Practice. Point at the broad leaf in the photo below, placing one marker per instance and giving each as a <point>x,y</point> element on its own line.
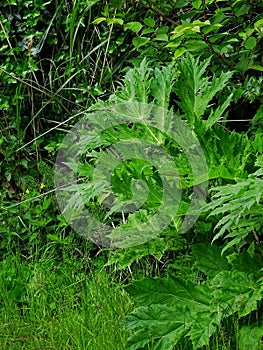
<point>244,262</point>
<point>237,291</point>
<point>209,259</point>
<point>174,308</point>
<point>163,325</point>
<point>169,290</point>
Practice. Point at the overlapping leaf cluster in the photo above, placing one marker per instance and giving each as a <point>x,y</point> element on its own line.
<point>194,91</point>
<point>172,308</point>
<point>239,207</point>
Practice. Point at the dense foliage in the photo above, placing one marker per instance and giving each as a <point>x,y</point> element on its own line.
<point>196,288</point>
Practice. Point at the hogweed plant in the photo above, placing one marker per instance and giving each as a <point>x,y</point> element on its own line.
<point>144,156</point>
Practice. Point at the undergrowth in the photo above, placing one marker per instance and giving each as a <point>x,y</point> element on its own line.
<point>198,60</point>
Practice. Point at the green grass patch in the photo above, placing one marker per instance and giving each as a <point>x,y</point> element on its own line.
<point>49,305</point>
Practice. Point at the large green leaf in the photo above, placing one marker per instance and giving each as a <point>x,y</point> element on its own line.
<point>237,291</point>
<point>169,290</point>
<point>204,324</point>
<point>209,259</point>
<point>163,325</point>
<point>246,262</point>
<point>174,308</point>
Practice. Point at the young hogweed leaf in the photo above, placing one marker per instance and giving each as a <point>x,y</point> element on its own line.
<point>196,91</point>
<point>216,115</point>
<point>222,150</point>
<point>135,86</point>
<point>162,85</point>
<point>205,97</point>
<point>240,206</point>
<point>143,84</point>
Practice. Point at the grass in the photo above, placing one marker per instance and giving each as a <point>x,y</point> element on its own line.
<point>51,305</point>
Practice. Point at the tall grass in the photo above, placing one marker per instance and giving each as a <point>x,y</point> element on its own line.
<point>60,305</point>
